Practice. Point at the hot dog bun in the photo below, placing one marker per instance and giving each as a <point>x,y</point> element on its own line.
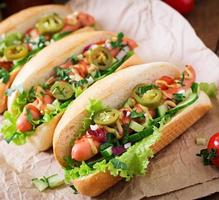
<point>113,91</point>
<point>21,22</point>
<point>38,69</point>
<point>26,18</point>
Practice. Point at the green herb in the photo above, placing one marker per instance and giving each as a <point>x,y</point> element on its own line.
<point>74,59</point>
<point>4,75</point>
<point>62,73</point>
<point>118,164</point>
<point>118,42</point>
<point>182,78</point>
<point>178,97</point>
<point>135,114</point>
<point>207,155</point>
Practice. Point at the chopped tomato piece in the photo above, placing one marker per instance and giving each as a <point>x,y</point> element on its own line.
<point>32,32</point>
<point>114,52</point>
<point>66,64</point>
<point>152,113</point>
<point>85,19</point>
<point>131,43</point>
<point>6,65</point>
<point>82,68</point>
<point>71,28</point>
<point>165,82</point>
<point>125,116</point>
<point>101,42</point>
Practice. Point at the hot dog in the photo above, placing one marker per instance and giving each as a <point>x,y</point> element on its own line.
<point>130,115</point>
<point>26,33</point>
<point>53,79</point>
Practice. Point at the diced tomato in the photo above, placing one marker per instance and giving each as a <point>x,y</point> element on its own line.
<point>131,43</point>
<point>170,91</point>
<point>82,68</point>
<point>100,42</point>
<point>125,116</point>
<point>67,64</point>
<point>189,76</point>
<point>6,65</point>
<point>86,19</point>
<point>71,28</point>
<point>152,113</point>
<point>32,32</point>
<point>114,52</point>
<point>138,108</point>
<point>82,149</point>
<point>167,81</point>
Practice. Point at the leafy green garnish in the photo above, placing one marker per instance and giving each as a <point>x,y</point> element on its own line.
<point>59,36</point>
<point>207,155</point>
<point>4,75</point>
<point>62,73</point>
<point>118,42</point>
<point>74,59</point>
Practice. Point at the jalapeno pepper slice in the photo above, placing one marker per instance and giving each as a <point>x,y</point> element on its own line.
<point>50,24</point>
<point>106,117</point>
<point>15,52</point>
<point>147,95</point>
<point>62,90</point>
<point>101,57</point>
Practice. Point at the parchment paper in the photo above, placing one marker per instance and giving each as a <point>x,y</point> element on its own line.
<point>175,173</point>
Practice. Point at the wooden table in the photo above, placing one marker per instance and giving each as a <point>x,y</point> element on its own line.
<point>205,20</point>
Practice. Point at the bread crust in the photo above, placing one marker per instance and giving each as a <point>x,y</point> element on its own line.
<point>24,19</point>
<point>43,65</point>
<point>126,79</point>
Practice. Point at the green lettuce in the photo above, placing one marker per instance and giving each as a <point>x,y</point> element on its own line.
<point>209,88</point>
<point>131,163</point>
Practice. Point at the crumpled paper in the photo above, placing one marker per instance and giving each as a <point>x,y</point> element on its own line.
<point>174,173</point>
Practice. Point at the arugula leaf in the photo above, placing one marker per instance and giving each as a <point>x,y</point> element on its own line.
<point>71,163</point>
<point>4,75</point>
<point>119,164</point>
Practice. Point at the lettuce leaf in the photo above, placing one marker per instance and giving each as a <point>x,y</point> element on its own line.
<point>131,163</point>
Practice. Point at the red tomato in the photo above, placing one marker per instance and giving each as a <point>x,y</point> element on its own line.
<point>71,28</point>
<point>114,52</point>
<point>189,76</point>
<point>214,144</point>
<point>67,64</point>
<point>85,19</point>
<point>131,43</point>
<point>82,149</point>
<point>124,116</point>
<point>169,80</point>
<point>82,68</point>
<point>23,124</point>
<point>32,32</point>
<point>6,65</point>
<point>183,6</point>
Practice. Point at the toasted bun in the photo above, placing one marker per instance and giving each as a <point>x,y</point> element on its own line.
<point>26,18</point>
<point>117,88</point>
<point>39,68</point>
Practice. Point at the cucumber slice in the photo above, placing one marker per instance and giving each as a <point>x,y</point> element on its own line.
<point>136,126</point>
<point>190,100</point>
<point>55,181</point>
<point>162,109</point>
<point>139,136</point>
<point>106,153</point>
<point>41,184</point>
